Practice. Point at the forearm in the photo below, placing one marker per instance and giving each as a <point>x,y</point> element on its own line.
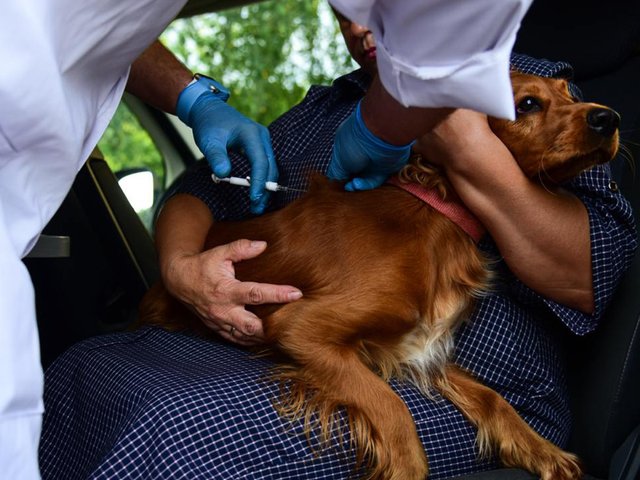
<point>386,118</point>
<point>543,235</point>
<point>181,229</point>
<point>157,77</point>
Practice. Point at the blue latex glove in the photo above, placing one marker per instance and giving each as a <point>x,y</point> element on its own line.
<point>218,127</point>
<point>358,153</point>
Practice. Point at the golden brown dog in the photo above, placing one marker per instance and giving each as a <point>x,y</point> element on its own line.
<point>371,310</point>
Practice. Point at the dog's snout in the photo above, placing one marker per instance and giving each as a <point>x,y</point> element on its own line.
<point>603,121</point>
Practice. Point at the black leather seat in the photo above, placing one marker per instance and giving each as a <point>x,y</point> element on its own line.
<point>605,373</point>
<point>96,288</point>
<point>602,42</point>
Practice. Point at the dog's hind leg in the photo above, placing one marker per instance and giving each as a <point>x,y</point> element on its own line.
<point>381,426</point>
<point>502,430</point>
<point>330,371</point>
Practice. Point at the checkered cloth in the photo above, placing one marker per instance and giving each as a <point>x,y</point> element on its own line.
<point>152,404</point>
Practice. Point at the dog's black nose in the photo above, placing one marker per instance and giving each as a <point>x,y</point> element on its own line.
<point>603,121</point>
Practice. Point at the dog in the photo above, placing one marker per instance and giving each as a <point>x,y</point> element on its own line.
<point>372,310</point>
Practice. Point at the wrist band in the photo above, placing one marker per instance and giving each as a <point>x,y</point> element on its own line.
<point>200,85</point>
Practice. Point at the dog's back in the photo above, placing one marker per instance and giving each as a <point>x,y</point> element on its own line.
<point>359,251</point>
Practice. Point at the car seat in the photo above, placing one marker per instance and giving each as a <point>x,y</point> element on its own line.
<point>94,284</point>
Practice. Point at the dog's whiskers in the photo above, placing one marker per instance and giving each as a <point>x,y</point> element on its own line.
<point>542,170</point>
<point>630,130</point>
<point>625,153</point>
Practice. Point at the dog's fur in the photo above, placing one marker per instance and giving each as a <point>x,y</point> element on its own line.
<point>386,280</point>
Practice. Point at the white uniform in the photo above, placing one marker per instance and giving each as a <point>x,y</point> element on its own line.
<point>443,53</point>
<point>64,66</point>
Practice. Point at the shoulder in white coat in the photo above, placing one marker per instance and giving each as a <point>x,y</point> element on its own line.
<point>443,53</point>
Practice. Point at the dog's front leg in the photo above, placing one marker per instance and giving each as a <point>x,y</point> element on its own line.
<point>500,428</point>
<point>329,368</point>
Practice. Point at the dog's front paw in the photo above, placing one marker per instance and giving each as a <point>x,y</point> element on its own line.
<point>404,464</point>
<point>543,458</point>
<point>562,466</point>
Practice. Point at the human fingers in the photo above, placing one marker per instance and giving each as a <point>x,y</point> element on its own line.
<point>336,171</point>
<point>239,326</point>
<point>253,293</point>
<point>216,154</point>
<point>263,168</point>
<point>233,331</point>
<point>242,326</point>
<point>368,182</point>
<point>242,249</point>
<point>223,315</point>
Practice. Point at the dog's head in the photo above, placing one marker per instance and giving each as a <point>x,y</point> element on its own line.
<point>555,137</point>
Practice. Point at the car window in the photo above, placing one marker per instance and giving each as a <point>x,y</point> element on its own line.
<point>136,161</point>
<point>268,54</point>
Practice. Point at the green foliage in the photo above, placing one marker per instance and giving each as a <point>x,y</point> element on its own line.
<point>267,54</point>
<point>125,144</point>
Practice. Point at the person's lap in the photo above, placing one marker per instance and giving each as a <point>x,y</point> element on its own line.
<point>153,404</point>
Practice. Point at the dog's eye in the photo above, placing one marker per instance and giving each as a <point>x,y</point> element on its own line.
<point>528,105</point>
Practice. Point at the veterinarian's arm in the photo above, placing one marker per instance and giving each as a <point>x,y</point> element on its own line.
<point>542,234</point>
<point>158,78</point>
<point>367,152</point>
<point>206,280</point>
<point>464,63</point>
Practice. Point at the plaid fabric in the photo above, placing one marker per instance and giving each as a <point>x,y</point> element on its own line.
<point>152,404</point>
<point>545,68</point>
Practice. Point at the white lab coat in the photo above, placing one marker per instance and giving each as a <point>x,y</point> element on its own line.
<point>443,53</point>
<point>63,68</point>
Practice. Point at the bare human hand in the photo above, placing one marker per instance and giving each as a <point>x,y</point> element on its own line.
<point>206,282</point>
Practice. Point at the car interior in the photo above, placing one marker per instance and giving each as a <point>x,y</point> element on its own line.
<point>95,259</point>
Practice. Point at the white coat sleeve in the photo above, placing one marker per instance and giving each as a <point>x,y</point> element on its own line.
<point>443,53</point>
<point>65,64</point>
<point>20,371</point>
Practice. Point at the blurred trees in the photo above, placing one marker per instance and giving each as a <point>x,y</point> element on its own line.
<point>125,144</point>
<point>267,54</point>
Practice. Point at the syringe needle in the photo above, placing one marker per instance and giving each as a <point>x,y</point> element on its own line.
<point>246,182</point>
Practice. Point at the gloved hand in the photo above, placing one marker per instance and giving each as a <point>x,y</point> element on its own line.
<point>360,154</point>
<point>218,127</point>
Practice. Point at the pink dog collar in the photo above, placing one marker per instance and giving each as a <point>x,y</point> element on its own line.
<point>454,210</point>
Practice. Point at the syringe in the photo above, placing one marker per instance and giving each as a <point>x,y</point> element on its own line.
<point>245,182</point>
